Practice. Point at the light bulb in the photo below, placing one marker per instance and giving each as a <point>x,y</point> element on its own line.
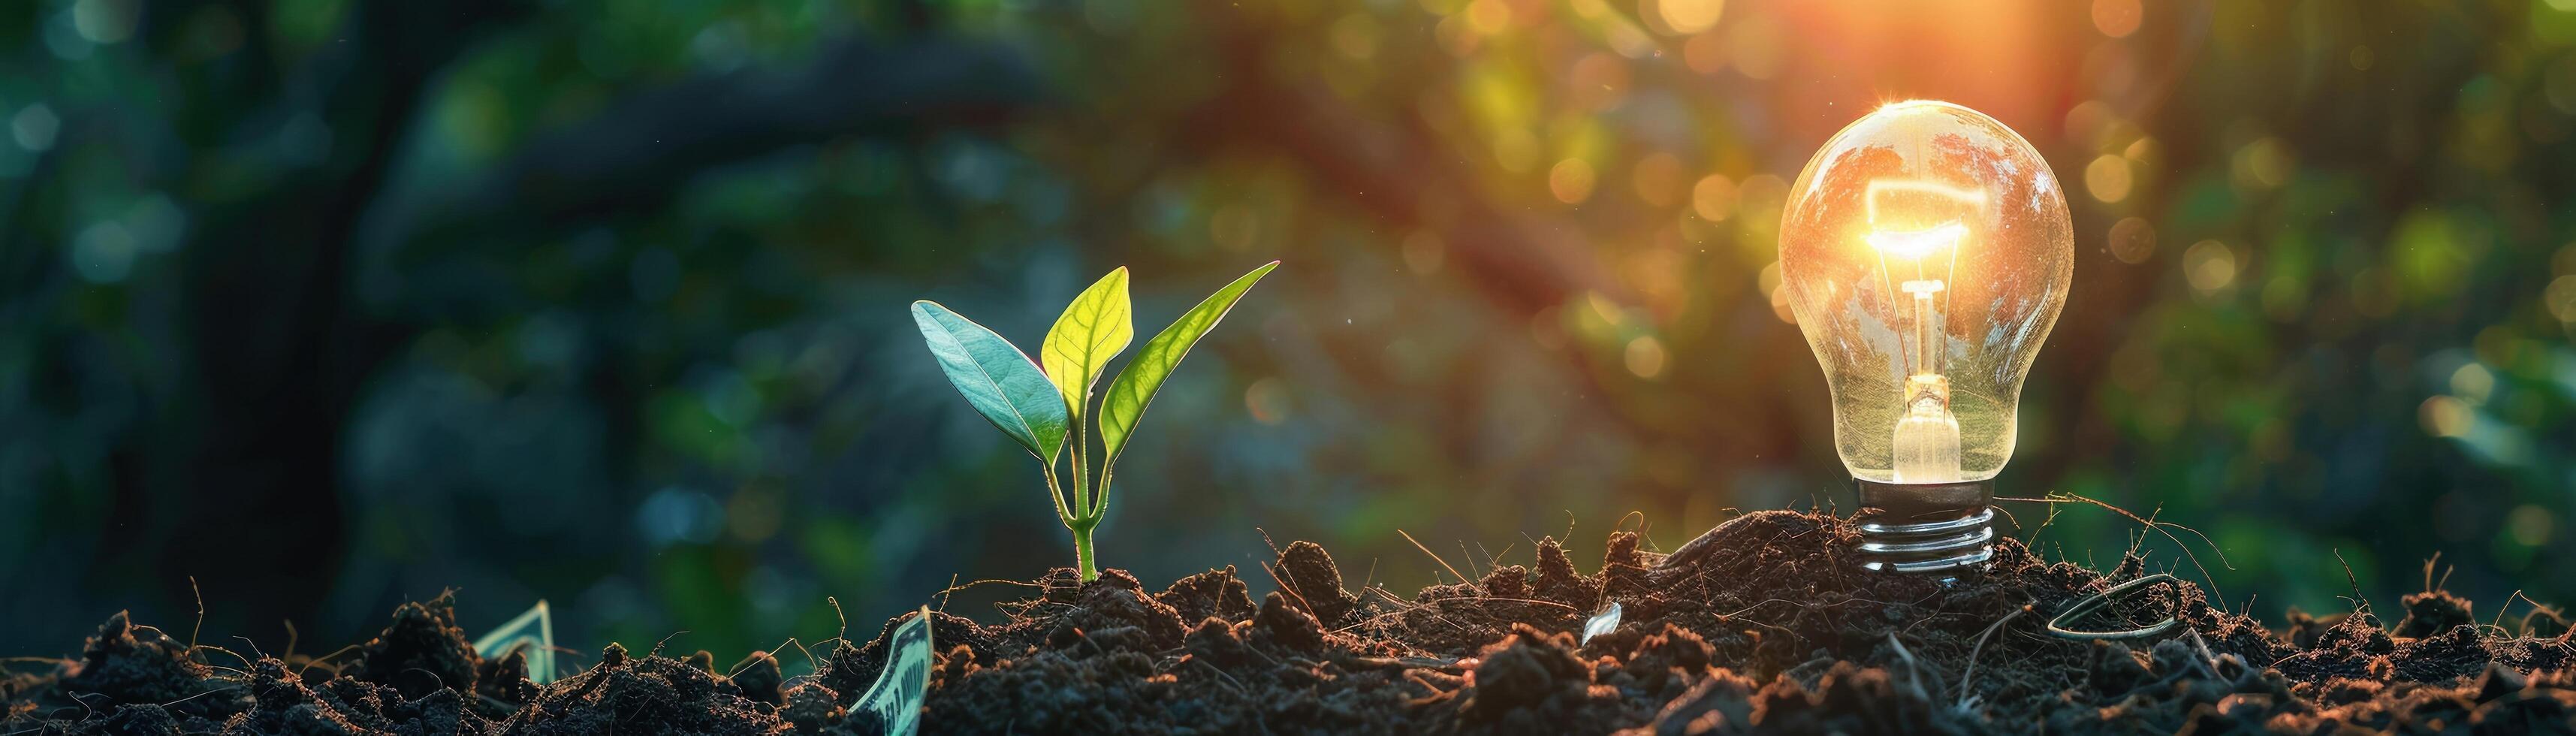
<point>1926,253</point>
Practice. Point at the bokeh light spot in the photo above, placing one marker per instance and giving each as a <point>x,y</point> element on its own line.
<point>1646,357</point>
<point>1489,17</point>
<point>1599,81</point>
<point>2108,178</point>
<point>2141,151</point>
<point>1456,35</point>
<point>677,515</point>
<point>1769,281</point>
<point>105,21</point>
<point>2133,240</point>
<point>34,127</point>
<point>1424,252</point>
<point>1690,16</point>
<point>1713,198</point>
<point>1658,179</point>
<point>2473,383</point>
<point>2558,83</point>
<point>1267,400</point>
<point>2209,265</point>
<point>1547,328</point>
<point>1570,180</point>
<point>1754,46</point>
<point>1705,53</point>
<point>2263,163</point>
<point>2362,58</point>
<point>2086,120</point>
<point>1356,35</point>
<point>2530,525</point>
<point>2444,416</point>
<point>2561,298</point>
<point>103,253</point>
<point>2117,18</point>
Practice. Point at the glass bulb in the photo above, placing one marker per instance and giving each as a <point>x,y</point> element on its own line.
<point>1926,253</point>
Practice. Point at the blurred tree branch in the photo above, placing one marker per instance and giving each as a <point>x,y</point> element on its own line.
<point>1399,170</point>
<point>633,154</point>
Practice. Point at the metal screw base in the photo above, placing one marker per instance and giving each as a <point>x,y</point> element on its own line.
<point>1915,528</point>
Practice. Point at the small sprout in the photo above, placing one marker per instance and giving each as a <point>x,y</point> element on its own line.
<point>535,631</point>
<point>1041,408</point>
<point>905,680</point>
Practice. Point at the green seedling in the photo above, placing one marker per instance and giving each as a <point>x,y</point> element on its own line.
<point>1041,408</point>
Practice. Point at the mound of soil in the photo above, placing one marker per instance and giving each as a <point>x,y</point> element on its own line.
<point>1765,623</point>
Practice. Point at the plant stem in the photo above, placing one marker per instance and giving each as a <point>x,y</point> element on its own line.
<point>1055,492</point>
<point>1083,520</point>
<point>1100,497</point>
<point>1082,550</point>
<point>1081,475</point>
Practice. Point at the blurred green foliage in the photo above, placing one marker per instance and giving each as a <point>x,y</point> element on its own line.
<point>331,304</point>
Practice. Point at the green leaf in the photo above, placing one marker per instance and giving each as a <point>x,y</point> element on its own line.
<point>1135,385</point>
<point>996,377</point>
<point>1093,329</point>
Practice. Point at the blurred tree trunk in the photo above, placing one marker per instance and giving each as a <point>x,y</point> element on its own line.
<point>276,352</point>
<point>239,484</point>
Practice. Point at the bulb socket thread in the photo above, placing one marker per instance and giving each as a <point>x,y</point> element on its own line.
<point>1912,528</point>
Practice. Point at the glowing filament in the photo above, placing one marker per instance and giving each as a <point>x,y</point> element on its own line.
<point>1927,434</point>
<point>1915,244</point>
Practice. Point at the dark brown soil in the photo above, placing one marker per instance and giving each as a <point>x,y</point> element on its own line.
<point>1763,624</point>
